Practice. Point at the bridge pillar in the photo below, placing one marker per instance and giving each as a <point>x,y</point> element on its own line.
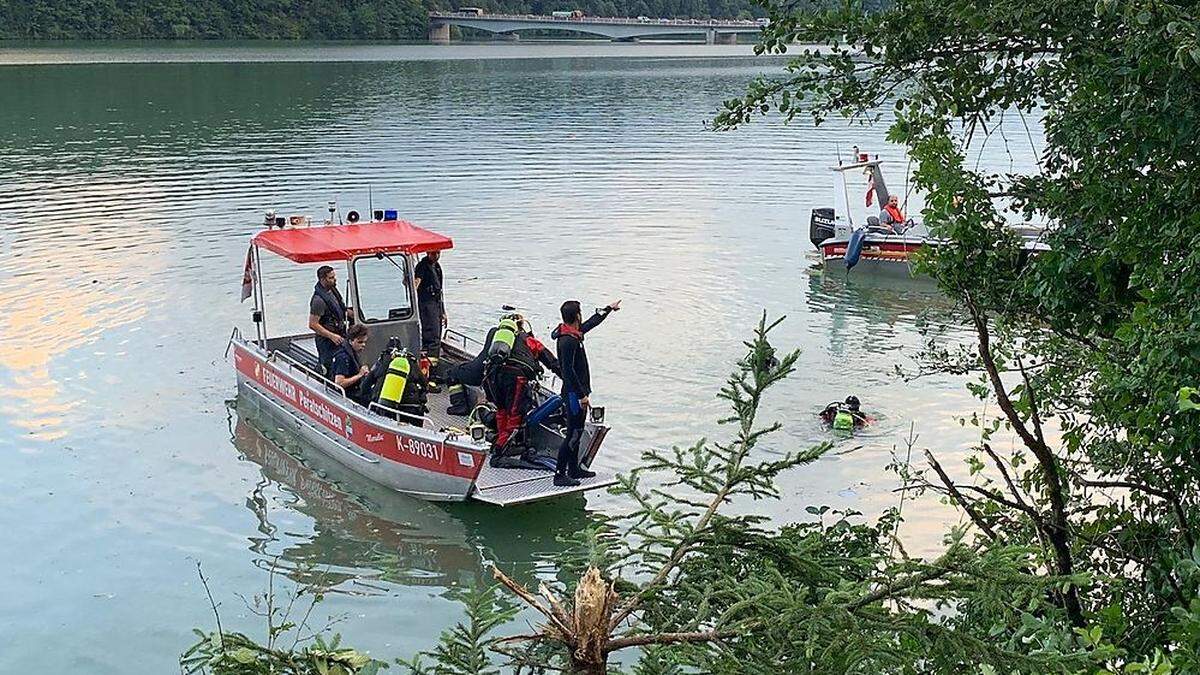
<point>439,33</point>
<point>725,38</point>
<point>710,37</point>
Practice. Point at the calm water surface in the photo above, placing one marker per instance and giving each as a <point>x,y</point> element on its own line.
<point>131,180</point>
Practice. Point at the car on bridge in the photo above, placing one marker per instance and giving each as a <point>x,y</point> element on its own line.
<point>474,11</point>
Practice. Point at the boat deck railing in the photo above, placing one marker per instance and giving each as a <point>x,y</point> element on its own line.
<point>306,371</point>
<point>466,340</point>
<point>376,404</point>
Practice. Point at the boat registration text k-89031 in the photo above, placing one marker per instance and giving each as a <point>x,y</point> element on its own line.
<point>420,448</point>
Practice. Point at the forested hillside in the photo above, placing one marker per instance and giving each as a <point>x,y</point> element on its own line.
<point>211,19</point>
<point>299,19</point>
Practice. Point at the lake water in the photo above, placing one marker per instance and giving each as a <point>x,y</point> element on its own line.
<point>131,179</point>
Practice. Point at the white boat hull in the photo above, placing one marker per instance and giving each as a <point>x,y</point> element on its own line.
<point>425,463</point>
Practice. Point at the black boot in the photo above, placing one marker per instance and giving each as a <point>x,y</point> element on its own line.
<point>573,468</point>
<point>563,480</point>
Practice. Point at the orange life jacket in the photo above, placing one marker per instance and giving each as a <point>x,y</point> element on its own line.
<point>895,213</point>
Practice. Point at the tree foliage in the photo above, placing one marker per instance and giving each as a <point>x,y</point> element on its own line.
<point>212,19</point>
<point>292,645</point>
<point>697,585</point>
<point>700,587</point>
<point>298,19</point>
<point>1090,349</point>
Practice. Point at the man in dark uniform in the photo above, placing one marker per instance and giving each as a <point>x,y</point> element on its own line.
<point>348,372</point>
<point>327,317</point>
<point>430,304</point>
<point>576,385</point>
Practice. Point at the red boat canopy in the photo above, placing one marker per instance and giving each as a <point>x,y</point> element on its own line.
<point>342,242</point>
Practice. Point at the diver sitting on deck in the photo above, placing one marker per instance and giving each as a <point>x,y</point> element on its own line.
<point>403,388</point>
<point>348,371</point>
<point>513,367</point>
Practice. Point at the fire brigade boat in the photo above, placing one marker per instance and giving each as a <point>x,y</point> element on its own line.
<point>443,459</point>
<point>846,238</point>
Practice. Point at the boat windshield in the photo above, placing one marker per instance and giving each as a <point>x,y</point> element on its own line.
<point>383,289</point>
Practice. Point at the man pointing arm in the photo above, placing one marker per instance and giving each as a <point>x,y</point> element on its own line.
<point>576,385</point>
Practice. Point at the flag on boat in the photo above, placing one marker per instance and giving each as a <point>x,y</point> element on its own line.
<point>870,186</point>
<point>248,275</point>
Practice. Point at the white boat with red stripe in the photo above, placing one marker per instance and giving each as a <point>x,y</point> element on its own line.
<point>433,456</point>
<point>852,236</point>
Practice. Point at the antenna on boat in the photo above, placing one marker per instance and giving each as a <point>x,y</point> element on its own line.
<point>370,202</point>
<point>907,168</point>
<point>838,149</point>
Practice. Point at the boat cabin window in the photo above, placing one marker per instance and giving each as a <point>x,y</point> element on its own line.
<point>383,288</point>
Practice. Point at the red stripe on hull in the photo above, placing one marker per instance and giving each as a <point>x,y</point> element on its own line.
<point>411,450</point>
<point>883,252</point>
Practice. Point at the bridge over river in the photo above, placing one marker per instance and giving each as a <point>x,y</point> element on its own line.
<point>714,31</point>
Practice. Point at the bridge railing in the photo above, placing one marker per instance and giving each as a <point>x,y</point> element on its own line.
<point>700,23</point>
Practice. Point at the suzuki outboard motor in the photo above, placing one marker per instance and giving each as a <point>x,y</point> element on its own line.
<point>820,226</point>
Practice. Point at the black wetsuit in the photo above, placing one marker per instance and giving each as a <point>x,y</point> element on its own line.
<point>471,372</point>
<point>576,385</point>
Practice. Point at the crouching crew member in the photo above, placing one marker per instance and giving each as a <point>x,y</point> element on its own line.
<point>348,371</point>
<point>461,377</point>
<point>514,363</point>
<point>576,385</point>
<point>327,317</point>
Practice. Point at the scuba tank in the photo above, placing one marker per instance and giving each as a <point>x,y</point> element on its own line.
<point>502,342</point>
<point>844,415</point>
<point>396,381</point>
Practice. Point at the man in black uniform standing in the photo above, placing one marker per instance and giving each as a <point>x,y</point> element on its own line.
<point>327,317</point>
<point>576,385</point>
<point>430,304</point>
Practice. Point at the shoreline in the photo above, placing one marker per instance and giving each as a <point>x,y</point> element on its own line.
<point>84,52</point>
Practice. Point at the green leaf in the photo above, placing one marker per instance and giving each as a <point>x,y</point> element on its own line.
<point>244,655</point>
<point>1185,399</point>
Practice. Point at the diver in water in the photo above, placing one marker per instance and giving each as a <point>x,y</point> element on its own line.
<point>845,415</point>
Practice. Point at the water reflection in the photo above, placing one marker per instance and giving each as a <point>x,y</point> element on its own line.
<point>63,295</point>
<point>366,537</point>
<point>874,313</point>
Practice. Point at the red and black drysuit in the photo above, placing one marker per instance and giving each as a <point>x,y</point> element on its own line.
<point>508,385</point>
